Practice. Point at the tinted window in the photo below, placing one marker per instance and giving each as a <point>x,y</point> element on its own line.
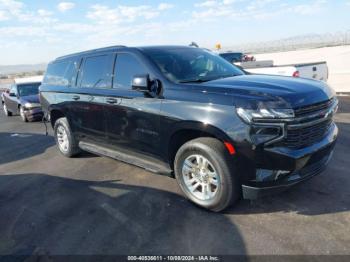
<point>191,64</point>
<point>61,73</point>
<point>126,67</point>
<point>97,72</point>
<point>28,89</point>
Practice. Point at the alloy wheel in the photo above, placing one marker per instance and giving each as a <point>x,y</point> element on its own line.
<point>62,139</point>
<point>200,177</point>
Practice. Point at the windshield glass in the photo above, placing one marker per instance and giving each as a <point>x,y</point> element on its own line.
<point>28,89</point>
<point>185,65</point>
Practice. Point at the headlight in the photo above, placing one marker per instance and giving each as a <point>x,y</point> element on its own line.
<point>31,105</point>
<point>248,115</point>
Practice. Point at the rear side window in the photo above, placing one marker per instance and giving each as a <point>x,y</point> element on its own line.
<point>61,73</point>
<point>96,72</point>
<point>126,67</point>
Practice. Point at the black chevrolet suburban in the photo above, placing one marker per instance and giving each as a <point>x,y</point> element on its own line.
<point>188,113</point>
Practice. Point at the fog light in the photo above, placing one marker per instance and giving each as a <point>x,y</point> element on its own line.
<point>263,134</point>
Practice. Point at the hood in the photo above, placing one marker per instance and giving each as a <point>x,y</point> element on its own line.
<point>283,92</point>
<point>30,99</point>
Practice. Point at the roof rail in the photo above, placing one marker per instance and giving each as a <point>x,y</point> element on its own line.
<point>92,50</point>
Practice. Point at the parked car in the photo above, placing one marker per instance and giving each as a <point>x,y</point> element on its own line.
<point>23,98</point>
<point>187,112</point>
<point>232,57</point>
<point>314,70</point>
<point>236,57</point>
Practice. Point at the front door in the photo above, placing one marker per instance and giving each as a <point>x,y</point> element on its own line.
<point>133,120</point>
<point>11,100</point>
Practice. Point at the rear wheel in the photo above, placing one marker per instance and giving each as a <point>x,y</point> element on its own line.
<point>65,140</point>
<point>22,114</point>
<point>7,113</point>
<point>206,173</point>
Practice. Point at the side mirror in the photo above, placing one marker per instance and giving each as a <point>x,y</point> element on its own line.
<point>141,83</point>
<point>12,94</point>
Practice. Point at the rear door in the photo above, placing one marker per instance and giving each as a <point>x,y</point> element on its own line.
<point>133,120</point>
<point>87,109</point>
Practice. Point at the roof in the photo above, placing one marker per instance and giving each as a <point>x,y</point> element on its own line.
<point>118,47</point>
<point>31,79</point>
<point>165,47</point>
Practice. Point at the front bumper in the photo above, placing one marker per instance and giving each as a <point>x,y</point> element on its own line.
<point>34,114</point>
<point>302,163</point>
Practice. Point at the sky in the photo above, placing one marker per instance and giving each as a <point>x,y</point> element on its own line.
<point>38,31</point>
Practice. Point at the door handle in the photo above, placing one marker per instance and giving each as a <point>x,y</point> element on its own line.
<point>76,97</point>
<point>111,100</point>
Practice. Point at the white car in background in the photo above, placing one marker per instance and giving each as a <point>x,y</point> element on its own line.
<point>315,70</point>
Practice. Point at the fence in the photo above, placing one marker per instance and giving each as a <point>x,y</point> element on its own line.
<point>294,43</point>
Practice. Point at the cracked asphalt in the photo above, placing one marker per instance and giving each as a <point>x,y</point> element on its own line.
<point>51,205</point>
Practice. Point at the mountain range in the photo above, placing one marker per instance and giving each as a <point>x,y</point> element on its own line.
<point>11,69</point>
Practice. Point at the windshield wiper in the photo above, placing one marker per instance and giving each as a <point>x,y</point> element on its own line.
<point>202,80</point>
<point>196,80</point>
<point>226,76</point>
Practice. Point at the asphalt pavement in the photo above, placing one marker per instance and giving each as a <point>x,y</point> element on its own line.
<point>52,205</point>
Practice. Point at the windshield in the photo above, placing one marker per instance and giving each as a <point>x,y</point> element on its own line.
<point>28,89</point>
<point>185,65</point>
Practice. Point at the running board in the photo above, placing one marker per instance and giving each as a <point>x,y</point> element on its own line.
<point>149,163</point>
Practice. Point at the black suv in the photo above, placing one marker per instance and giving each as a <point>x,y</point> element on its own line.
<point>187,112</point>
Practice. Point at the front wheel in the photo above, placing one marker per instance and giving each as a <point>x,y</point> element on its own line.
<point>65,140</point>
<point>7,113</point>
<point>206,174</point>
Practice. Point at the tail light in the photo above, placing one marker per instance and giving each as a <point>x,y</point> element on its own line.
<point>296,74</point>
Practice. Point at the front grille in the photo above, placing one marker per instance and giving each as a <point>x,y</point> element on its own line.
<point>304,136</point>
<point>314,108</point>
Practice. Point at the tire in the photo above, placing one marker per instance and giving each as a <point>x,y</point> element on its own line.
<point>7,113</point>
<point>228,189</point>
<point>22,114</point>
<point>66,143</point>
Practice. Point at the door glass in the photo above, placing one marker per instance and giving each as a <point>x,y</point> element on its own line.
<point>97,72</point>
<point>126,67</point>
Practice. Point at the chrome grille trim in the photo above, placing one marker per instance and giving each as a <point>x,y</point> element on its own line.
<point>308,129</point>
